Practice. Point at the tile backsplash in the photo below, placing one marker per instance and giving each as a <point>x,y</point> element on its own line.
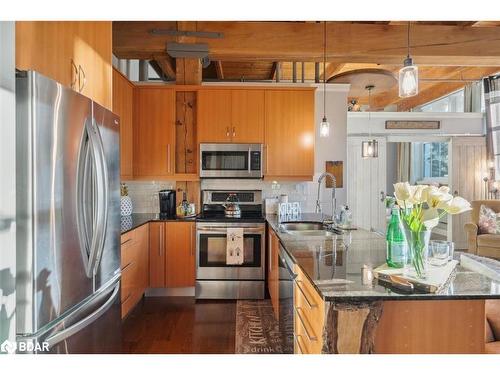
<point>144,194</point>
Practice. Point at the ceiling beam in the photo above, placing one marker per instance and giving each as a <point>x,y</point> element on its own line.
<point>166,64</point>
<point>219,70</point>
<point>294,41</point>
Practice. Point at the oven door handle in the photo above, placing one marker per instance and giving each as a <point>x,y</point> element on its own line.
<point>224,230</point>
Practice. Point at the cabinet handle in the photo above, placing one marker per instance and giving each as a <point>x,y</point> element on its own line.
<point>160,250</point>
<point>126,298</point>
<point>270,252</point>
<point>127,266</point>
<point>311,304</point>
<point>169,167</point>
<point>192,235</point>
<point>123,243</point>
<point>303,324</point>
<point>298,338</point>
<point>81,84</point>
<point>234,132</point>
<point>75,76</point>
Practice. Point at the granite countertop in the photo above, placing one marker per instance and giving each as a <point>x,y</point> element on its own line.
<point>334,265</point>
<point>133,221</point>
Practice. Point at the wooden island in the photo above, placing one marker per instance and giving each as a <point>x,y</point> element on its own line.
<point>339,308</point>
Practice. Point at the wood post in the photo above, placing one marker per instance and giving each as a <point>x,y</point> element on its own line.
<point>350,327</point>
<point>185,132</point>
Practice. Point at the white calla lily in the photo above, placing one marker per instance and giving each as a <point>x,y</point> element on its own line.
<point>430,218</point>
<point>457,205</point>
<point>402,191</point>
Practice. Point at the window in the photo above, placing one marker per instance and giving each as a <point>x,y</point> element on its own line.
<point>453,102</point>
<point>435,159</point>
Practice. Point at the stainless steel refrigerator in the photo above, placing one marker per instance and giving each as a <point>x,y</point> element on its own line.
<point>68,219</point>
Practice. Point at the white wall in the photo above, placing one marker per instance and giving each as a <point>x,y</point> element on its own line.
<point>7,184</point>
<point>333,148</point>
<point>144,194</point>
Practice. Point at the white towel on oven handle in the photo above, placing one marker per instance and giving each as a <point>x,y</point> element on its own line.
<point>234,246</point>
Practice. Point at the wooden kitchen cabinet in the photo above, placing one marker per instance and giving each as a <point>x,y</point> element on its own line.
<point>309,312</point>
<point>247,116</point>
<point>154,132</point>
<point>157,254</point>
<point>123,100</point>
<point>180,264</point>
<point>273,270</point>
<point>289,134</point>
<point>214,116</point>
<point>76,54</point>
<point>231,115</point>
<point>134,266</point>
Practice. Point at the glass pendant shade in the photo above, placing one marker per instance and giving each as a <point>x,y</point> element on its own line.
<point>369,149</point>
<point>324,128</point>
<point>408,79</point>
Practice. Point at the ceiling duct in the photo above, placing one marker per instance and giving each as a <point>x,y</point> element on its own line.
<point>187,50</point>
<point>492,105</point>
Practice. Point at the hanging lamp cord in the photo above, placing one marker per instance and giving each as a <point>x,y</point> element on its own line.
<point>324,70</point>
<point>408,40</point>
<point>369,112</point>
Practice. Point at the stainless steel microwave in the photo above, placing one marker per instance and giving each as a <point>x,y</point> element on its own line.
<point>230,160</point>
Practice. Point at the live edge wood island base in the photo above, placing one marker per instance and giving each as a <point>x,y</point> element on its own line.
<point>404,327</point>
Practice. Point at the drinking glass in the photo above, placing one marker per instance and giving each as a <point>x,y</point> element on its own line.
<point>439,252</point>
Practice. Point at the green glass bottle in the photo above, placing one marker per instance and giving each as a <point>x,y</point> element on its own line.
<point>396,242</point>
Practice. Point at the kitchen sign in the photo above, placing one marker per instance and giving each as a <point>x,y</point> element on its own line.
<point>413,124</point>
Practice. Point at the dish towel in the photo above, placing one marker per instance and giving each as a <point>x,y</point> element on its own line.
<point>234,246</point>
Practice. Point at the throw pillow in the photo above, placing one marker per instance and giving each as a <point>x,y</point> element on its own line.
<point>487,221</point>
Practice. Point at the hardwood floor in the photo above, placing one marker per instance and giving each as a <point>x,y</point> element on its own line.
<point>180,325</point>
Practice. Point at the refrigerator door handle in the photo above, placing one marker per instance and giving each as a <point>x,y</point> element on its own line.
<point>101,221</point>
<point>71,330</point>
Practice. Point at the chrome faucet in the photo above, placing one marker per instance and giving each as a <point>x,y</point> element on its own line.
<point>334,200</point>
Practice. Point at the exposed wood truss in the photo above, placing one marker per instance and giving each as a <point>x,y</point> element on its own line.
<point>448,53</point>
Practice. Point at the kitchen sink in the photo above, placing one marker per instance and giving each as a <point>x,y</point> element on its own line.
<point>306,229</point>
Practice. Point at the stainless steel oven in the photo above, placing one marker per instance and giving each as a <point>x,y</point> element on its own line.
<point>215,278</point>
<point>230,160</point>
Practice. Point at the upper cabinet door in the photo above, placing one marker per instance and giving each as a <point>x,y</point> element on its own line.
<point>76,54</point>
<point>247,119</point>
<point>214,116</point>
<point>154,132</point>
<point>46,47</point>
<point>123,100</point>
<point>92,56</point>
<point>289,134</point>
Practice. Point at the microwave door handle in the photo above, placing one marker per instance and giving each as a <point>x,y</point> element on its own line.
<point>249,159</point>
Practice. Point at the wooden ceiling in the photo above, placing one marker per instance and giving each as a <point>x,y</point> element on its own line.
<point>449,53</point>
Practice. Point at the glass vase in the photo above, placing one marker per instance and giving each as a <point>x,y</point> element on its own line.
<point>418,251</point>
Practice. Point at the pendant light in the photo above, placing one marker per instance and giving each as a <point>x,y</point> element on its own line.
<point>369,149</point>
<point>324,126</point>
<point>408,75</point>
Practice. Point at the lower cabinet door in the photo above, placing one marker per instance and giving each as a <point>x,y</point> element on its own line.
<point>180,265</point>
<point>157,255</point>
<point>131,290</point>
